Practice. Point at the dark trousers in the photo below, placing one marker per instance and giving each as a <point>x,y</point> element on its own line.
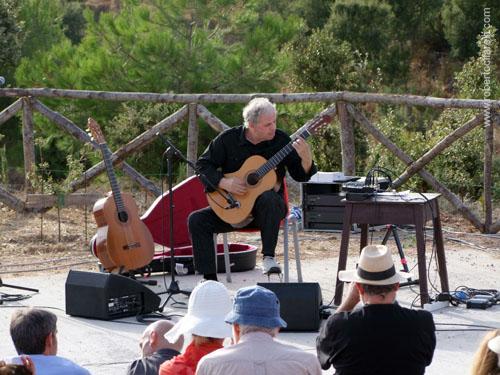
<point>268,211</point>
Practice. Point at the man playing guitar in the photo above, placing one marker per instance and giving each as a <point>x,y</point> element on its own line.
<point>225,155</point>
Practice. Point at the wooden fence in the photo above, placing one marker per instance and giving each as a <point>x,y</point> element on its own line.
<point>341,103</point>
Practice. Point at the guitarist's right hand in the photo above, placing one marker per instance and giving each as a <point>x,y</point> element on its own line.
<point>233,185</point>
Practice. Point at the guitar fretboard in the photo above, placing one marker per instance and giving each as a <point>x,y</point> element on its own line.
<point>115,188</point>
<point>279,156</point>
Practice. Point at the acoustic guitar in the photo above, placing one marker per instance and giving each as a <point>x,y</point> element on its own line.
<point>259,175</point>
<point>123,241</point>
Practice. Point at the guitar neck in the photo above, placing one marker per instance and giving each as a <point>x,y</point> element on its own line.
<point>273,162</point>
<point>115,188</point>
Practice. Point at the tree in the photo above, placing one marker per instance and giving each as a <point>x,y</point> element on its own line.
<point>168,46</point>
<point>321,62</point>
<point>463,20</point>
<point>10,43</point>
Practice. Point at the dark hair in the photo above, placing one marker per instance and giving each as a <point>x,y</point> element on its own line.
<point>14,370</point>
<point>29,328</point>
<point>377,290</point>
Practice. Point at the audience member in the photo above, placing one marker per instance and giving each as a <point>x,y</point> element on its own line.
<point>487,358</point>
<point>155,348</point>
<point>204,322</point>
<point>26,367</point>
<point>381,337</point>
<point>256,322</point>
<point>34,332</point>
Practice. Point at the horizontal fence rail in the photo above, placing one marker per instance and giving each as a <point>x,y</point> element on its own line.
<point>343,105</point>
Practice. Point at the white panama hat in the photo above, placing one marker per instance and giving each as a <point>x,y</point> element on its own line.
<point>494,345</point>
<point>208,305</point>
<point>375,267</point>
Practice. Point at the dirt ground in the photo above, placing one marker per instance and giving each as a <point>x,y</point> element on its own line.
<point>57,240</point>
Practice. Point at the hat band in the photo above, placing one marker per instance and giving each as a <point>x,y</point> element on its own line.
<point>376,276</point>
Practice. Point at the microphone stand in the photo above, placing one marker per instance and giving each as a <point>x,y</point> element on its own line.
<point>171,152</point>
<point>173,288</point>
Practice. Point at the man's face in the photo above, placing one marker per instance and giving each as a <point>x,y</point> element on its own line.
<point>265,128</point>
<point>145,344</point>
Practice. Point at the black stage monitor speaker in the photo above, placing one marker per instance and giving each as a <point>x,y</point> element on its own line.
<point>107,296</point>
<point>300,304</point>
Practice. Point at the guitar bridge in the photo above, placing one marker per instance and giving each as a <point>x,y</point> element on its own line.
<point>131,246</point>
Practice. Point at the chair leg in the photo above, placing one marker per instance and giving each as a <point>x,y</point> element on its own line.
<point>293,221</point>
<point>227,261</point>
<point>285,249</point>
<point>215,249</point>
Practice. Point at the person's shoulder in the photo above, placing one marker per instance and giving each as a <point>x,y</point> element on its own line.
<point>295,350</point>
<point>345,316</point>
<point>235,130</point>
<point>215,358</point>
<point>420,315</point>
<point>281,134</point>
<point>136,367</point>
<point>61,364</point>
<point>416,312</point>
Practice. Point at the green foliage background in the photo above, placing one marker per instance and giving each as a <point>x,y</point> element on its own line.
<point>428,47</point>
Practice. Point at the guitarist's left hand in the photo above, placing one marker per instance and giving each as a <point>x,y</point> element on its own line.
<point>304,151</point>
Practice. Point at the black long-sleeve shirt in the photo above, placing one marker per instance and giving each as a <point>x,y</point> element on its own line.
<point>229,150</point>
<point>377,339</point>
<point>151,365</point>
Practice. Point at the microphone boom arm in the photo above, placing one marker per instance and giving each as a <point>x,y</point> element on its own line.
<point>233,203</point>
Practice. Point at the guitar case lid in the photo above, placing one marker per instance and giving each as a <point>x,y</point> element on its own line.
<point>188,196</point>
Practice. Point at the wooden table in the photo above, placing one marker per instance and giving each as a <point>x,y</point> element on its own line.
<point>398,209</point>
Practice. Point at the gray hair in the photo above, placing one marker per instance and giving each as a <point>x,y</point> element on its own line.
<point>29,328</point>
<point>255,108</point>
<point>244,329</point>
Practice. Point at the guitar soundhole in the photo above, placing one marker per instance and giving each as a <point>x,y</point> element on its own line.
<point>123,216</point>
<point>253,179</point>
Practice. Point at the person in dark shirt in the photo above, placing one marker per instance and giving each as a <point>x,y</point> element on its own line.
<point>381,337</point>
<point>226,154</point>
<point>155,349</point>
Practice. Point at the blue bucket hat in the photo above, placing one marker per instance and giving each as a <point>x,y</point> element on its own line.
<point>256,306</point>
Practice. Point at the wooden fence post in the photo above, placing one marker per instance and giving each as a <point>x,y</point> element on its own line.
<point>488,167</point>
<point>192,146</point>
<point>28,144</point>
<point>346,140</point>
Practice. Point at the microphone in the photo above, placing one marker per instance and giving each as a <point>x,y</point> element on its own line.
<point>168,144</point>
<point>2,81</point>
<point>233,203</point>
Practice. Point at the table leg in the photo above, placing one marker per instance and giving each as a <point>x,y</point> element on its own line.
<point>422,269</point>
<point>441,258</point>
<point>344,247</point>
<point>364,236</point>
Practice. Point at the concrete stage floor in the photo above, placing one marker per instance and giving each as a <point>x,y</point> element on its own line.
<point>106,347</point>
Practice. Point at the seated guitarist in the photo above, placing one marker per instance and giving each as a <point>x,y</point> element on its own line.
<point>226,154</point>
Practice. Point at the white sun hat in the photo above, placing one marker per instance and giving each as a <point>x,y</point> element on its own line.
<point>494,345</point>
<point>375,267</point>
<point>208,305</point>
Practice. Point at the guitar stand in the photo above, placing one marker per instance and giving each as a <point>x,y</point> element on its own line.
<point>391,228</point>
